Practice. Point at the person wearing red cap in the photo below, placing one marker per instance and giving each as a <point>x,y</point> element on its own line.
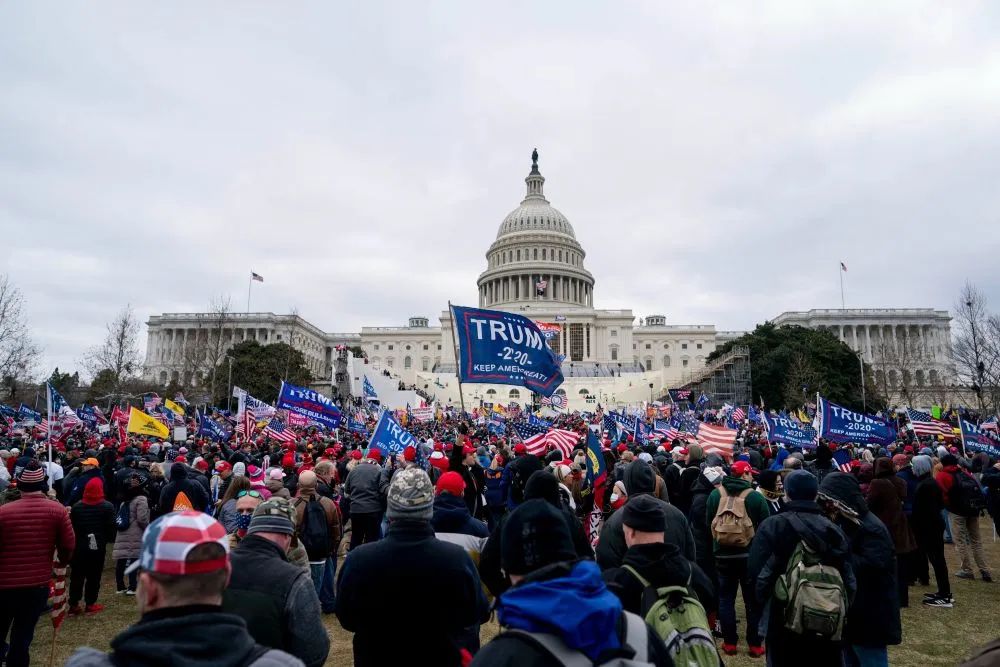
<point>93,520</point>
<point>734,512</point>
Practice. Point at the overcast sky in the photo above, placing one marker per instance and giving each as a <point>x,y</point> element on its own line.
<point>717,164</point>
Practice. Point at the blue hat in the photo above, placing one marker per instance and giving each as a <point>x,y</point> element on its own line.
<point>801,485</point>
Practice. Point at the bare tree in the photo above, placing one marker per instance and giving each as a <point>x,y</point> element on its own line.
<point>976,346</point>
<point>801,381</point>
<point>898,361</point>
<point>18,352</point>
<point>118,355</point>
<point>202,353</point>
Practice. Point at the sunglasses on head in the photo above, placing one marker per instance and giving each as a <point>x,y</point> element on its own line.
<point>251,493</point>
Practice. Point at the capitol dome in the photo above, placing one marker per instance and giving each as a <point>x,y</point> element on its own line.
<point>535,256</point>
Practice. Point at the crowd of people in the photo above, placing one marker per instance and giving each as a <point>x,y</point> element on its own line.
<point>254,540</point>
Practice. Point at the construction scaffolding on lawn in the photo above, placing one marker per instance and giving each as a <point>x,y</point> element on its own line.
<point>728,379</point>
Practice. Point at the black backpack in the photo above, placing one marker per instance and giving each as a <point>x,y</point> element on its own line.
<point>314,532</point>
<point>966,495</point>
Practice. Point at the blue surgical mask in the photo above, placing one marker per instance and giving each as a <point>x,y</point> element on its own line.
<point>243,521</point>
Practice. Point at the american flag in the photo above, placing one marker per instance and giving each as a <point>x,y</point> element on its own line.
<point>43,426</point>
<point>664,429</point>
<point>514,410</point>
<point>57,593</point>
<point>541,285</point>
<point>989,424</point>
<point>246,425</point>
<point>256,276</point>
<point>716,439</point>
<point>739,414</point>
<point>277,431</point>
<point>842,458</point>
<point>924,424</point>
<point>556,400</point>
<point>538,440</point>
<point>150,401</point>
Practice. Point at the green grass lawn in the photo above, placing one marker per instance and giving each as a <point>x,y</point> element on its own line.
<point>930,636</point>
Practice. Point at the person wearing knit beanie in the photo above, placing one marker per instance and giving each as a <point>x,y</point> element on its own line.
<point>32,478</point>
<point>534,535</point>
<point>424,578</point>
<point>800,485</point>
<point>93,520</point>
<point>410,496</point>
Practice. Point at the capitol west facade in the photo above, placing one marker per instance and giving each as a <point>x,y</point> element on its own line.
<point>536,267</point>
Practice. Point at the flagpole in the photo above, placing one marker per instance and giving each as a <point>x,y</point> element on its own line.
<point>250,287</point>
<point>842,306</point>
<point>48,431</point>
<point>454,344</point>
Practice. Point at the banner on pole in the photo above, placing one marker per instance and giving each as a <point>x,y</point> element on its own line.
<point>504,348</point>
<point>788,432</point>
<point>839,424</point>
<point>389,437</point>
<point>309,403</point>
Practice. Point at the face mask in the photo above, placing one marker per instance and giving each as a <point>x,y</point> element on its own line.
<point>243,521</point>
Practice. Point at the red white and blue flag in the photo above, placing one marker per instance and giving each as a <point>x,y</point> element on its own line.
<point>924,424</point>
<point>277,431</point>
<point>538,439</point>
<point>716,440</point>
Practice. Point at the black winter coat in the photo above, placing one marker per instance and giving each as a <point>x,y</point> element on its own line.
<point>689,476</point>
<point>697,517</point>
<point>97,520</point>
<point>873,619</point>
<point>439,582</point>
<point>639,478</point>
<point>772,546</point>
<point>926,520</point>
<point>179,482</point>
<point>74,493</point>
<point>661,565</point>
<point>991,481</point>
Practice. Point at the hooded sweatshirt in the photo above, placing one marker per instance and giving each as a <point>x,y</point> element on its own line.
<point>93,520</point>
<point>184,636</point>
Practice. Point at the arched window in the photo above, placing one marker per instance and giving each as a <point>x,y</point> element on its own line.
<point>407,363</point>
<point>666,361</point>
<point>425,364</point>
<point>514,393</point>
<point>649,364</point>
<point>543,253</point>
<point>614,353</point>
<point>535,253</point>
<point>920,378</point>
<point>490,393</point>
<point>584,392</point>
<point>666,346</point>
<point>893,378</point>
<point>560,255</point>
<point>389,362</point>
<point>561,392</point>
<point>935,380</point>
<point>163,378</point>
<point>519,254</point>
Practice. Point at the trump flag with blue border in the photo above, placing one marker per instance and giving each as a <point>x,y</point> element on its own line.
<point>503,348</point>
<point>840,424</point>
<point>975,439</point>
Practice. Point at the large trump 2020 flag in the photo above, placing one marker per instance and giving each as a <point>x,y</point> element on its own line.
<point>503,348</point>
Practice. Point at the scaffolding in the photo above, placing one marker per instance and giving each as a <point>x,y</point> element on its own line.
<point>728,379</point>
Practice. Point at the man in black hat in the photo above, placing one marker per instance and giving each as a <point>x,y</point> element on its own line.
<point>559,609</point>
<point>650,562</point>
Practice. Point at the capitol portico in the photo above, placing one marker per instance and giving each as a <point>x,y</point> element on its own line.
<point>536,267</point>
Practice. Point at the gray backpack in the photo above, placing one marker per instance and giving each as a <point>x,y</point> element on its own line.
<point>636,638</point>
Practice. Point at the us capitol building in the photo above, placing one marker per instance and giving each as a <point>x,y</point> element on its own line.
<point>535,267</point>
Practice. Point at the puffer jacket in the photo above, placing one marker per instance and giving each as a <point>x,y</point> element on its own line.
<point>362,487</point>
<point>180,482</point>
<point>97,520</point>
<point>128,542</point>
<point>30,529</point>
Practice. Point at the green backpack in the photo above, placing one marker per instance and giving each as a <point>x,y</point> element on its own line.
<point>679,619</point>
<point>814,594</point>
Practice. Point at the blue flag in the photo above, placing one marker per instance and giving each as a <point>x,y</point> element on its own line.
<point>975,439</point>
<point>87,416</point>
<point>502,348</point>
<point>596,465</point>
<point>838,424</point>
<point>309,403</point>
<point>356,426</point>
<point>754,415</point>
<point>24,413</point>
<point>210,428</point>
<point>536,421</point>
<point>496,426</point>
<point>369,389</point>
<point>389,437</point>
<point>7,411</point>
<point>789,432</point>
<point>56,402</point>
<point>703,400</point>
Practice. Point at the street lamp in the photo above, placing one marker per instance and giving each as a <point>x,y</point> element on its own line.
<point>229,395</point>
<point>650,392</point>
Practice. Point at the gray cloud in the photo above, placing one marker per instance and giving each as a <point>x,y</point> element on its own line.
<point>717,162</point>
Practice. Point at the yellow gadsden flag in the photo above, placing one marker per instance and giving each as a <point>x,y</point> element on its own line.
<point>173,407</point>
<point>141,423</point>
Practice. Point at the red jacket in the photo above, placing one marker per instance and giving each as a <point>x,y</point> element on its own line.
<point>32,529</point>
<point>945,479</point>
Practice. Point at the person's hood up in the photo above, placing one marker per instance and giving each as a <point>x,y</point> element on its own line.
<point>844,488</point>
<point>702,485</point>
<point>178,471</point>
<point>639,478</point>
<point>574,605</point>
<point>543,484</point>
<point>450,513</point>
<point>191,640</point>
<point>714,460</point>
<point>779,460</point>
<point>93,492</point>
